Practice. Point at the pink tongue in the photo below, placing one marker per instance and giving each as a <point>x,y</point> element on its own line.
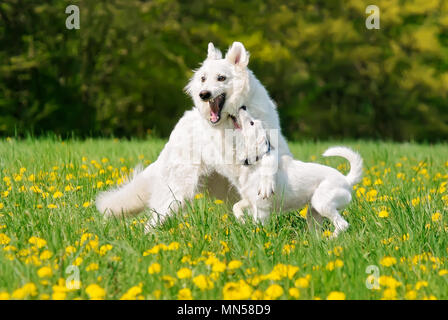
<point>213,116</point>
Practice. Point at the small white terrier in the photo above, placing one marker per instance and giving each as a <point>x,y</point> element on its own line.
<point>298,183</point>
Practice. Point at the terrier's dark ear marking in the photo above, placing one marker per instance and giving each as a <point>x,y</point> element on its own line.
<point>243,107</point>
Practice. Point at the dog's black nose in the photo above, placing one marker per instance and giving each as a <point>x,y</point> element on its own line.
<point>205,95</point>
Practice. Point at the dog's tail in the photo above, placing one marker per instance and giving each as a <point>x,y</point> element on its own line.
<point>126,200</point>
<point>355,174</point>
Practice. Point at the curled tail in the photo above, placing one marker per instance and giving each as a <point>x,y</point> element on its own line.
<point>126,200</point>
<point>355,174</point>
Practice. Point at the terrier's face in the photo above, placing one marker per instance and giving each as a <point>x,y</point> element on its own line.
<point>255,138</point>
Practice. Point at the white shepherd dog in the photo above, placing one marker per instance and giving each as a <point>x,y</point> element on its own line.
<point>298,183</point>
<point>202,143</point>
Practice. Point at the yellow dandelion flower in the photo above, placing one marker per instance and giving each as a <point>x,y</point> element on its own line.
<point>302,282</point>
<point>4,239</point>
<point>59,295</point>
<point>443,272</point>
<point>234,264</point>
<point>153,250</point>
<point>45,255</point>
<point>273,292</point>
<point>45,272</point>
<point>330,266</point>
<point>38,242</point>
<point>337,251</point>
<point>95,292</point>
<point>154,268</point>
<point>383,214</point>
<point>371,195</point>
<point>57,195</point>
<point>173,246</point>
<point>436,217</point>
<point>281,271</point>
<point>366,181</point>
<point>303,212</point>
<point>203,282</point>
<point>257,295</point>
<point>104,249</point>
<point>77,261</point>
<point>388,261</point>
<point>219,267</point>
<point>169,281</point>
<point>5,295</point>
<point>338,263</point>
<point>184,294</point>
<point>287,248</point>
<point>326,234</point>
<point>336,295</point>
<point>237,291</point>
<point>27,290</point>
<point>184,273</point>
<point>378,182</point>
<point>92,267</point>
<point>389,294</point>
<point>70,250</point>
<point>35,189</point>
<point>360,192</point>
<point>92,244</point>
<point>421,284</point>
<point>132,292</point>
<point>294,292</point>
<point>389,282</point>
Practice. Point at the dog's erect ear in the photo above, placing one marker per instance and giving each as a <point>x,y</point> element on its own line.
<point>213,53</point>
<point>238,55</point>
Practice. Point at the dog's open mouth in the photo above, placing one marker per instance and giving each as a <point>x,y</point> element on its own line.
<point>216,105</point>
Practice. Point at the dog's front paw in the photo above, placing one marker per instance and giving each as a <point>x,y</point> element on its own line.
<point>266,187</point>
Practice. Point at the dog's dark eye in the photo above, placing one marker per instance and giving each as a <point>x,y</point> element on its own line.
<point>251,123</point>
<point>203,79</point>
<point>221,78</point>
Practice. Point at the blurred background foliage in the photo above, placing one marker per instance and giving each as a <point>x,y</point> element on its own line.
<point>124,71</point>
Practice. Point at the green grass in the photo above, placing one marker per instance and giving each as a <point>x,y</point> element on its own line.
<point>207,229</point>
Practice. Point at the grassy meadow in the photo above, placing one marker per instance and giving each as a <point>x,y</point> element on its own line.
<point>55,245</point>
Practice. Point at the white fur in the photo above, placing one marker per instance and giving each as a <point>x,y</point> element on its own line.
<point>298,183</point>
<point>179,172</point>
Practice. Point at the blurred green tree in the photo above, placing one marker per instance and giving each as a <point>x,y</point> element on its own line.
<point>124,70</point>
